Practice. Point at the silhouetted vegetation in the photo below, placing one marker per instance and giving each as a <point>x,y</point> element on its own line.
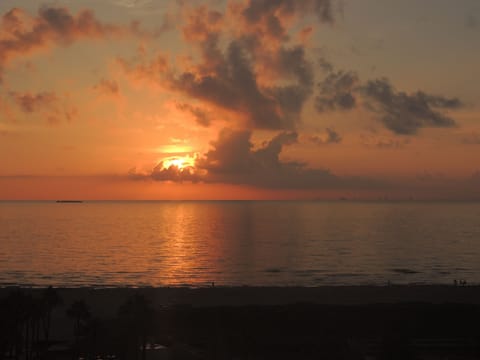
<point>50,300</point>
<point>80,314</point>
<point>22,317</point>
<point>31,327</point>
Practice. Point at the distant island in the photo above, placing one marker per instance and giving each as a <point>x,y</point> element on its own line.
<point>70,201</point>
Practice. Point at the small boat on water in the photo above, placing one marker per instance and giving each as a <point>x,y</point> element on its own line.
<point>70,201</point>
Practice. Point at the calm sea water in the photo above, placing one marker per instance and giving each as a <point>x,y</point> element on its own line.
<point>238,243</point>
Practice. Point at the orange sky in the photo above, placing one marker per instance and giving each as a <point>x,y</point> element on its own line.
<point>239,99</point>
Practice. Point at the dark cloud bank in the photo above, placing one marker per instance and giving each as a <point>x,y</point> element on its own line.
<point>233,159</point>
<point>250,65</point>
<point>247,65</point>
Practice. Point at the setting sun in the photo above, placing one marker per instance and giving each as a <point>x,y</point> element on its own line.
<point>178,162</point>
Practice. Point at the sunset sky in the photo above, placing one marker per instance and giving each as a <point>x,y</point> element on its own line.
<point>240,99</point>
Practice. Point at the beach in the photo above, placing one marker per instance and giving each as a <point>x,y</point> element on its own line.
<point>106,300</point>
<point>241,321</point>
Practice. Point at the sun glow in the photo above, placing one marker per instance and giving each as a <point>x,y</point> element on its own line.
<point>178,162</point>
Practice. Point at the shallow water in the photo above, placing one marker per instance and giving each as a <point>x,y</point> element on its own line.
<point>238,243</point>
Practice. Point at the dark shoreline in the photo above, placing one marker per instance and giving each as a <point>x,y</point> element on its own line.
<point>335,322</point>
<point>250,295</point>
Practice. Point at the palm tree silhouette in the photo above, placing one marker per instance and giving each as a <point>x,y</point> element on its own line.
<point>50,300</point>
<point>36,313</point>
<point>80,313</point>
<point>136,314</point>
<point>14,337</point>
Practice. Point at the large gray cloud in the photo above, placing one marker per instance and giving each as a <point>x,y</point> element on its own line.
<point>288,63</point>
<point>233,159</point>
<point>233,153</point>
<point>262,78</point>
<point>233,85</point>
<point>401,112</point>
<point>405,113</point>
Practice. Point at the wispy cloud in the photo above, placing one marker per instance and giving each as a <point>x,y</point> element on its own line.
<point>22,34</point>
<point>50,106</point>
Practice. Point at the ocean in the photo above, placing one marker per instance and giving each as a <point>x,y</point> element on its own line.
<point>237,243</point>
